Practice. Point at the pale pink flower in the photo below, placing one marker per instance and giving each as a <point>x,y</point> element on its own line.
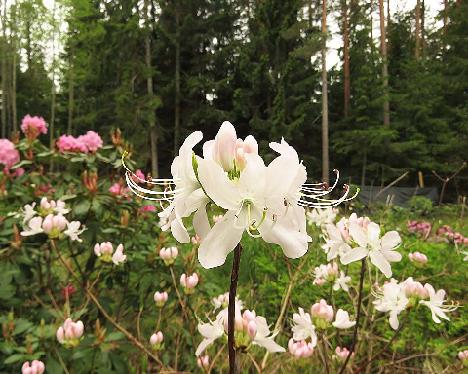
<point>342,353</point>
<point>53,225</point>
<point>463,356</point>
<point>160,298</point>
<point>32,127</point>
<point>36,367</point>
<point>70,333</point>
<point>322,310</point>
<point>168,255</point>
<point>195,240</point>
<point>9,155</point>
<point>118,257</point>
<point>300,348</point>
<point>418,258</point>
<point>156,340</point>
<point>189,282</point>
<point>342,320</point>
<point>414,289</point>
<point>105,250</point>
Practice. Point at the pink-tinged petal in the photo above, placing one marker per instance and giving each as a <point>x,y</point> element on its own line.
<point>373,231</point>
<point>392,256</point>
<point>208,149</point>
<point>220,241</point>
<point>354,254</point>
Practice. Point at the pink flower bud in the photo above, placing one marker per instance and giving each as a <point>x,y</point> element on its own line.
<point>70,333</point>
<point>415,289</point>
<point>300,349</point>
<point>168,255</point>
<point>463,355</point>
<point>224,146</point>
<point>160,298</point>
<point>319,281</point>
<point>60,335</point>
<point>203,362</point>
<point>342,353</point>
<point>252,329</point>
<point>418,257</point>
<point>157,338</point>
<point>322,310</point>
<point>36,367</point>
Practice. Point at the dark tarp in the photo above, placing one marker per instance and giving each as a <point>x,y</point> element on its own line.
<point>396,195</point>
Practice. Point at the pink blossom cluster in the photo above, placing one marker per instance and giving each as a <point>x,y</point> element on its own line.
<point>453,236</point>
<point>32,127</point>
<point>89,142</point>
<point>119,190</point>
<point>300,348</point>
<point>35,367</point>
<point>9,155</point>
<point>420,227</point>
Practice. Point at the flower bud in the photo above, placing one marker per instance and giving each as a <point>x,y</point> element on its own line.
<point>70,333</point>
<point>168,255</point>
<point>418,258</point>
<point>189,282</point>
<point>463,357</point>
<point>36,367</point>
<point>156,340</point>
<point>54,225</point>
<point>224,146</point>
<point>342,353</point>
<point>203,362</point>
<point>300,349</point>
<point>160,298</point>
<point>322,310</point>
<point>252,329</point>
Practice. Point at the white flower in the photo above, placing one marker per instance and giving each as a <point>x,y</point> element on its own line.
<point>335,245</point>
<point>342,282</point>
<point>303,328</point>
<point>380,250</point>
<point>322,216</point>
<point>264,337</point>
<point>255,202</point>
<point>34,226</point>
<point>73,230</point>
<point>436,304</point>
<point>342,320</point>
<point>210,332</point>
<point>392,299</point>
<point>118,257</point>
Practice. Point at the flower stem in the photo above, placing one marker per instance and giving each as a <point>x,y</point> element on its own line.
<point>232,308</point>
<point>358,317</point>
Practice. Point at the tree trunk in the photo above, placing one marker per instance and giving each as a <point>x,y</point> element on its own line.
<point>53,93</point>
<point>325,159</point>
<point>177,83</point>
<point>4,73</point>
<point>383,51</point>
<point>423,19</point>
<point>71,93</point>
<point>445,16</point>
<point>149,86</point>
<point>347,88</point>
<point>14,114</point>
<point>417,31</point>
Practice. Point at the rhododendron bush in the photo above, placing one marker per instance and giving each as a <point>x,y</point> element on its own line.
<point>230,264</point>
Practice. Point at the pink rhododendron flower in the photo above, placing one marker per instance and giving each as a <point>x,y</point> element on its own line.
<point>160,298</point>
<point>147,209</point>
<point>32,127</point>
<point>156,340</point>
<point>91,140</point>
<point>68,143</point>
<point>9,155</point>
<point>322,310</point>
<point>36,367</point>
<point>118,190</point>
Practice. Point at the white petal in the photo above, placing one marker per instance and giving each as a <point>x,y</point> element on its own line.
<point>379,260</point>
<point>220,241</point>
<point>358,234</point>
<point>179,231</point>
<point>394,323</point>
<point>205,343</point>
<point>201,223</point>
<point>269,344</point>
<point>217,185</point>
<point>208,149</point>
<point>354,254</point>
<point>390,240</point>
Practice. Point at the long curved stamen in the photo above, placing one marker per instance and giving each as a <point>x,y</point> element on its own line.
<point>167,195</point>
<point>303,201</point>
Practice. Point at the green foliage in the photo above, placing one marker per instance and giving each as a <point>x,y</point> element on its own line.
<point>420,205</point>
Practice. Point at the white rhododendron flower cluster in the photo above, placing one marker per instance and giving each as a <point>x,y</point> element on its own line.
<point>105,252</point>
<point>329,273</point>
<point>353,239</point>
<point>250,329</point>
<point>322,216</point>
<point>394,297</point>
<point>264,201</point>
<point>48,218</point>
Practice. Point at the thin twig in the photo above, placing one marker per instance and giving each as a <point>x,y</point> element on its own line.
<point>232,308</point>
